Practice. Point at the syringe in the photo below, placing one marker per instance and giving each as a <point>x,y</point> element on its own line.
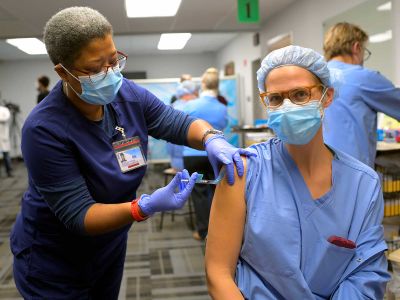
<point>200,179</point>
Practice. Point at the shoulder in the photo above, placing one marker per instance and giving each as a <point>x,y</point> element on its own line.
<point>133,95</point>
<point>190,106</point>
<point>53,116</point>
<point>210,103</point>
<point>131,92</point>
<point>367,78</point>
<point>45,123</point>
<point>355,166</point>
<point>264,149</point>
<point>374,79</point>
<point>264,154</point>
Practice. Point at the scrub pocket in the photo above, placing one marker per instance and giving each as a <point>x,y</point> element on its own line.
<point>327,267</point>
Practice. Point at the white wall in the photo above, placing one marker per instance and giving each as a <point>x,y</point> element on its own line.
<point>396,40</point>
<point>18,84</point>
<point>171,65</point>
<point>304,18</point>
<point>242,52</point>
<point>18,78</point>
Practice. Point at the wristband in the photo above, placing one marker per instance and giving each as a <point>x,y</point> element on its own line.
<point>210,131</point>
<point>135,211</point>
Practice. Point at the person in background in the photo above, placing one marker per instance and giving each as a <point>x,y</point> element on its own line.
<point>183,78</point>
<point>186,91</point>
<point>5,138</point>
<point>208,108</point>
<point>351,121</point>
<point>43,87</point>
<point>305,220</point>
<point>220,98</point>
<point>69,239</point>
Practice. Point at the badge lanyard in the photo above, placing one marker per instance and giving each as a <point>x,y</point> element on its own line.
<point>129,152</point>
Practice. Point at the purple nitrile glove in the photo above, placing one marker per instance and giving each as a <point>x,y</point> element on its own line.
<point>220,152</point>
<point>168,198</point>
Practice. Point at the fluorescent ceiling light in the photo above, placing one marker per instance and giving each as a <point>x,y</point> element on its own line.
<point>173,41</point>
<point>385,7</point>
<point>151,8</point>
<point>381,37</point>
<point>31,46</point>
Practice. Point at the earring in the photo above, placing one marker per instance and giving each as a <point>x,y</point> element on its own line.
<point>66,88</point>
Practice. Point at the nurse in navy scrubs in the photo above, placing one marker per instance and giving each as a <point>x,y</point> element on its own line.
<point>85,150</point>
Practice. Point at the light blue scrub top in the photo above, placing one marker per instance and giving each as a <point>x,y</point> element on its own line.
<point>207,108</point>
<point>350,121</point>
<point>285,253</point>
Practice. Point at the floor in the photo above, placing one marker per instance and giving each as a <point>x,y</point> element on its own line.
<point>160,264</point>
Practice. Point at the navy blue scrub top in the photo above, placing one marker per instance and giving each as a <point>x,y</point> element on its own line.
<point>59,145</point>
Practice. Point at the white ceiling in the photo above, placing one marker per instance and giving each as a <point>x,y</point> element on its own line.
<point>213,23</point>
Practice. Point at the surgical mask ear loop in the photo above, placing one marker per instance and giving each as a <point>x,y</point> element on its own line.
<point>66,83</point>
<point>72,89</point>
<point>70,73</point>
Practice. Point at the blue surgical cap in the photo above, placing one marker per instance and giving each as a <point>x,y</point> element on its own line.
<point>186,87</point>
<point>294,56</point>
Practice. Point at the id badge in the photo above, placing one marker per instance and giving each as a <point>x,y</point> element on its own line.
<point>129,154</point>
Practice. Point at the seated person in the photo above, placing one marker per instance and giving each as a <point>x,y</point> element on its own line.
<point>305,220</point>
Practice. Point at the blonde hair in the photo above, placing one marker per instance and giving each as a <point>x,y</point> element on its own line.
<point>185,77</point>
<point>210,79</point>
<point>340,38</point>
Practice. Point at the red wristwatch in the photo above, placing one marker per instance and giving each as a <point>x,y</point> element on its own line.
<point>135,211</point>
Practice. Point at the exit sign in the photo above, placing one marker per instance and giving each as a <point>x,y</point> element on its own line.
<point>248,11</point>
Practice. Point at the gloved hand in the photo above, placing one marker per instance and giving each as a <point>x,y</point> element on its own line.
<point>221,152</point>
<point>167,198</point>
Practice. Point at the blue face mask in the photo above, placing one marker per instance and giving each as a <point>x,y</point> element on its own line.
<point>296,124</point>
<point>101,88</point>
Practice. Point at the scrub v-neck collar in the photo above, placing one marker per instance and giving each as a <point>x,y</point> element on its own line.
<point>308,203</point>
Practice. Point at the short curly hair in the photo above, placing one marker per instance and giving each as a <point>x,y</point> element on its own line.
<point>70,30</point>
<point>339,39</point>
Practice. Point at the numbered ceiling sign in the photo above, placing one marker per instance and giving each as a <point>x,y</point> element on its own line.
<point>248,11</point>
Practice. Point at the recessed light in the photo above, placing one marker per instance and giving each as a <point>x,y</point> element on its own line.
<point>31,46</point>
<point>151,8</point>
<point>173,41</point>
<point>385,7</point>
<point>381,37</point>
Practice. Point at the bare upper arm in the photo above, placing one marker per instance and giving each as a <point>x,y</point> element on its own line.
<point>227,219</point>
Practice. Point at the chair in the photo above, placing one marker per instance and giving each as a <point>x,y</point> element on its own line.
<point>168,175</point>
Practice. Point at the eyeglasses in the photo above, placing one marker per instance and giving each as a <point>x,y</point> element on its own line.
<point>367,54</point>
<point>119,63</point>
<point>299,96</point>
